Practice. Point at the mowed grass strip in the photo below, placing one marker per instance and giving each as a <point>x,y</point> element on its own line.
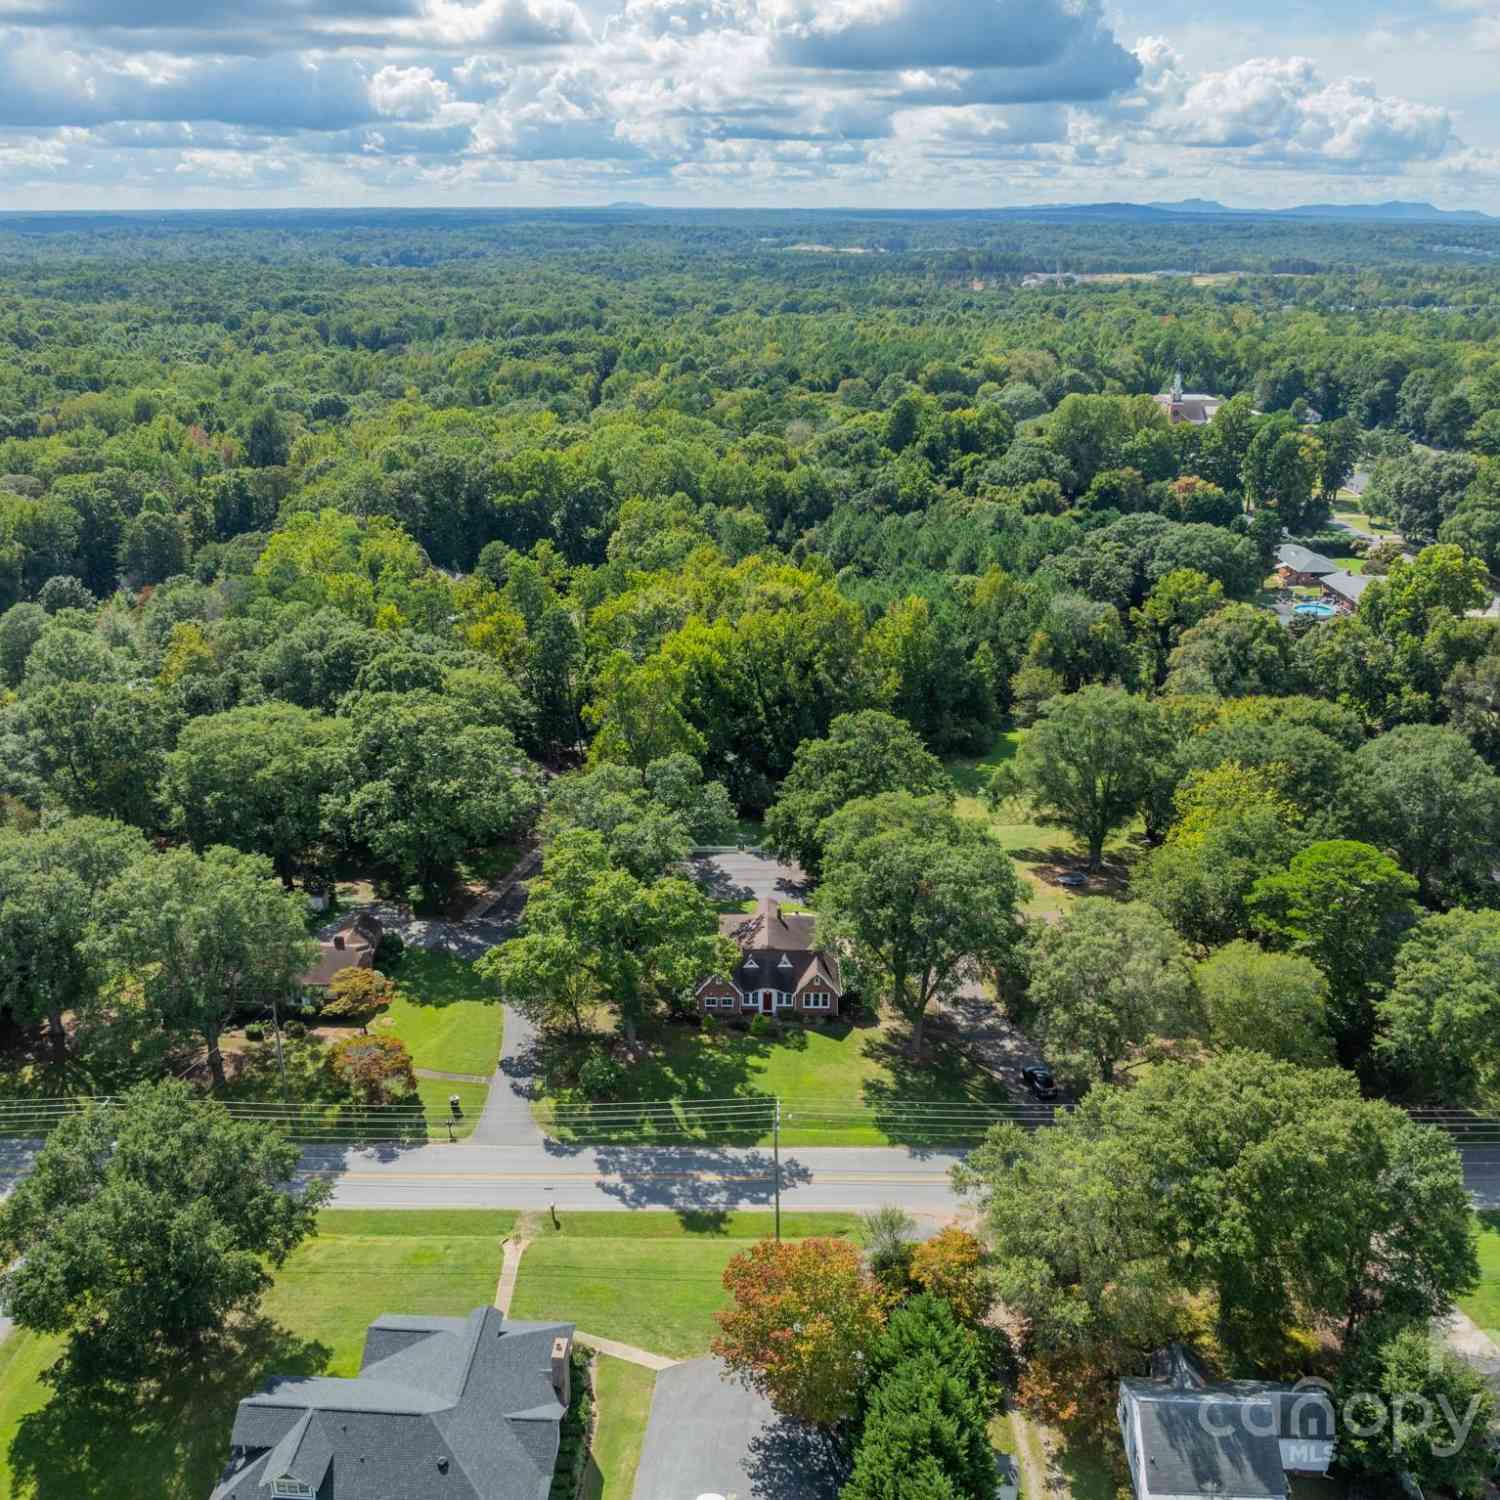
<point>172,1445</point>
<point>1483,1306</point>
<point>622,1407</point>
<point>443,1015</point>
<point>654,1280</point>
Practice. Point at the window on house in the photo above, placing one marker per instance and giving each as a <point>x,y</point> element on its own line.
<point>783,1000</point>
<point>785,963</point>
<point>292,1489</point>
<point>816,1000</point>
<point>711,1001</point>
<point>750,963</point>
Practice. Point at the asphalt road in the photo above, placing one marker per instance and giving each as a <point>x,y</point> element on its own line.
<point>471,1175</point>
<point>475,1175</point>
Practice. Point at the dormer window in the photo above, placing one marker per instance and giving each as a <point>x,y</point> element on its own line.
<point>750,963</point>
<point>286,1488</point>
<point>785,963</point>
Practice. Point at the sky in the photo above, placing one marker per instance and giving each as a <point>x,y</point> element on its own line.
<point>131,104</point>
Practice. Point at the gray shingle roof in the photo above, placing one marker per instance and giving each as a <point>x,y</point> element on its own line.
<point>1193,1443</point>
<point>1347,585</point>
<point>1303,560</point>
<point>470,1399</point>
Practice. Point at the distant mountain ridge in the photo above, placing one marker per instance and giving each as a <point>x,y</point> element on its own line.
<point>1396,209</point>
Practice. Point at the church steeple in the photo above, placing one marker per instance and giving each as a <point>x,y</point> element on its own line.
<point>1177,385</point>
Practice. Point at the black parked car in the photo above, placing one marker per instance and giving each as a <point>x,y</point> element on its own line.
<point>1040,1081</point>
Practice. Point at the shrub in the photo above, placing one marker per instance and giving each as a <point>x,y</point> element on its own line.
<point>390,950</point>
<point>710,1025</point>
<point>599,1075</point>
<point>255,1032</point>
<point>358,993</point>
<point>761,1026</point>
<point>577,1427</point>
<point>295,1029</point>
<point>375,1069</point>
<point>889,1233</point>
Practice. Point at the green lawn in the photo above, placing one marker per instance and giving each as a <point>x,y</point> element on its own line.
<point>1484,1305</point>
<point>444,1015</point>
<point>654,1280</point>
<point>622,1407</point>
<point>171,1445</point>
<point>1348,511</point>
<point>862,1069</point>
<point>1040,849</point>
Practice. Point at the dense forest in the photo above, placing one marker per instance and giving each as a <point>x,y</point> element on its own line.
<point>337,539</point>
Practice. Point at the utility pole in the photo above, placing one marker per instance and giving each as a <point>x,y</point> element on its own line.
<point>280,1060</point>
<point>776,1159</point>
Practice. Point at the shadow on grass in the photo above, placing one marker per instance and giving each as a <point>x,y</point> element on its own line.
<point>168,1440</point>
<point>945,1075</point>
<point>435,980</point>
<point>971,777</point>
<point>679,1066</point>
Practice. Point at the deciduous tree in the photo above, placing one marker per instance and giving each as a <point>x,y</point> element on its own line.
<point>804,1317</point>
<point>145,1225</point>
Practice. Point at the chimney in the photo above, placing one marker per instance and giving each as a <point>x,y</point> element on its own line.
<point>338,941</point>
<point>560,1348</point>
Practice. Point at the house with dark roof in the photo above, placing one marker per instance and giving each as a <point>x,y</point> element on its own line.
<point>1343,590</point>
<point>351,945</point>
<point>1187,1437</point>
<point>781,970</point>
<point>463,1408</point>
<point>1300,567</point>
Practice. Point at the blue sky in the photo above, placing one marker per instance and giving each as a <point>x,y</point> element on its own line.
<point>942,103</point>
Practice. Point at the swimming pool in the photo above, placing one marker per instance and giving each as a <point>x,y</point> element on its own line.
<point>1316,608</point>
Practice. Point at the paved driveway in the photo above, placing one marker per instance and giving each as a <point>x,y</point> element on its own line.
<point>745,874</point>
<point>709,1435</point>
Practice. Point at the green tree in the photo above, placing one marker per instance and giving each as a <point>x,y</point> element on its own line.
<point>1423,793</point>
<point>596,935</point>
<point>428,784</point>
<point>51,880</point>
<point>1091,763</point>
<point>865,754</point>
<point>1265,1002</point>
<point>1231,829</point>
<point>1106,980</point>
<point>254,778</point>
<point>1439,1023</point>
<point>1178,601</point>
<point>926,901</point>
<point>145,1225</point>
<point>1344,905</point>
<point>1415,1408</point>
<point>98,746</point>
<point>1275,1189</point>
<point>1236,651</point>
<point>205,936</point>
<point>650,819</point>
<point>923,1439</point>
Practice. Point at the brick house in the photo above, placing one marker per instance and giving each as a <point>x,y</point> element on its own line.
<point>781,970</point>
<point>1298,567</point>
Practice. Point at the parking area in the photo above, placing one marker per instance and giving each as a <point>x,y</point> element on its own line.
<point>748,874</point>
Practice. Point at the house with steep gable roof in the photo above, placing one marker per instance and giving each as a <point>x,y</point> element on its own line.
<point>1189,1438</point>
<point>781,970</point>
<point>467,1408</point>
